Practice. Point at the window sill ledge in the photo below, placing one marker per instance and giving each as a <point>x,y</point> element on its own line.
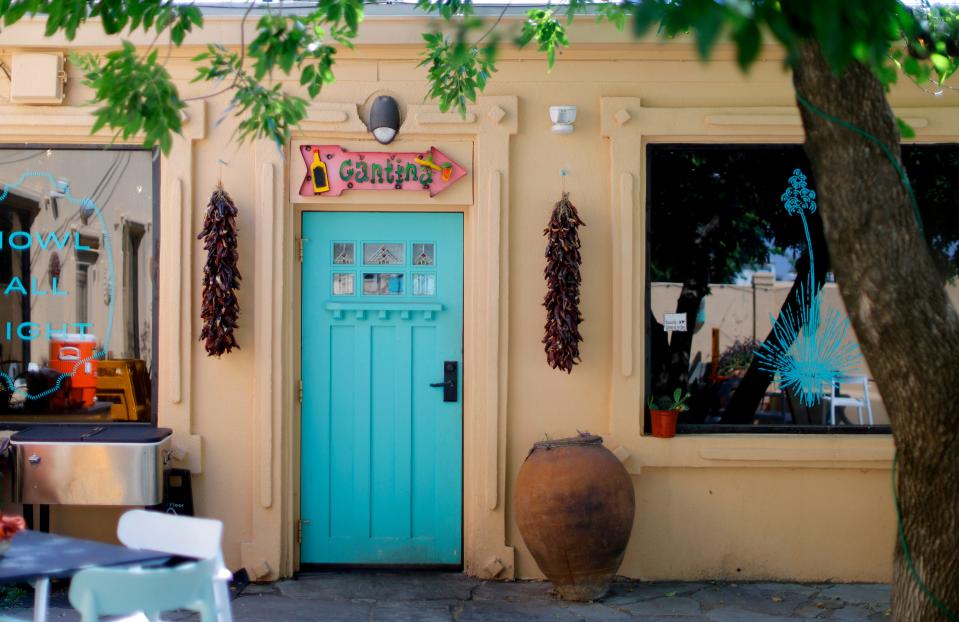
<point>757,451</point>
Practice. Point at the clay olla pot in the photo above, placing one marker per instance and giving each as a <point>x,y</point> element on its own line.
<point>574,508</point>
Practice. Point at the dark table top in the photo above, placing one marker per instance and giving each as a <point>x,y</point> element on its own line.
<point>119,433</point>
<point>35,555</point>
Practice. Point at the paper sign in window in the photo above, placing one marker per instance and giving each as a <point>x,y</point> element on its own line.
<point>675,322</point>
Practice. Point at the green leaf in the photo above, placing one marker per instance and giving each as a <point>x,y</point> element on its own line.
<point>541,26</point>
<point>748,41</point>
<point>708,27</point>
<point>940,62</point>
<point>905,130</point>
<point>136,95</point>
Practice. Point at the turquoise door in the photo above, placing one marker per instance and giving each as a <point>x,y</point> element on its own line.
<point>381,449</point>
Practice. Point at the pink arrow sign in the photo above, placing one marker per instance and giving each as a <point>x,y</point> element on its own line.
<point>332,170</point>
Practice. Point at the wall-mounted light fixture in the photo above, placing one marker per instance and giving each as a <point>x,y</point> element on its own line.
<point>563,118</point>
<point>384,119</point>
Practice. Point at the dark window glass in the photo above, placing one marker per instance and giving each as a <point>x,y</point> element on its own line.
<point>727,258</point>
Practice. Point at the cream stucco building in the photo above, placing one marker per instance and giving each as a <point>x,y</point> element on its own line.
<point>732,506</point>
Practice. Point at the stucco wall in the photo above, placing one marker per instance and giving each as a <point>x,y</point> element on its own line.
<point>739,506</point>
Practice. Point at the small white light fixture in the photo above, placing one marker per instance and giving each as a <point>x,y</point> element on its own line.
<point>384,119</point>
<point>563,118</point>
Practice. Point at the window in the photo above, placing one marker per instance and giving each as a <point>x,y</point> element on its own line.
<point>78,249</point>
<point>727,261</point>
<point>6,253</point>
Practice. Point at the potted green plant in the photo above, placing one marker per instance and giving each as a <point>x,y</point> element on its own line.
<point>663,412</point>
<point>737,358</point>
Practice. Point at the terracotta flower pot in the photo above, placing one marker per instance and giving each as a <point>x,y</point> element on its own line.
<point>574,508</point>
<point>664,422</point>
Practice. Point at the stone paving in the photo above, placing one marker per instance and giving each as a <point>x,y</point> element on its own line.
<point>452,597</point>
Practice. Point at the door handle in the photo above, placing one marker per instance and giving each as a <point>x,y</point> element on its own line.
<point>450,381</point>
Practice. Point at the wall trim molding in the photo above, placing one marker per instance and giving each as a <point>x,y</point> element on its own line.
<point>176,288</point>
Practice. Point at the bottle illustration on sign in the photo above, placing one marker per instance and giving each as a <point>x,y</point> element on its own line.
<point>321,181</point>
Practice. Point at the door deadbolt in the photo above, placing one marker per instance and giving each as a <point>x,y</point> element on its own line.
<point>450,382</point>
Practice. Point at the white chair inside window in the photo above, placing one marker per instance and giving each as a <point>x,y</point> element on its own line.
<point>185,536</point>
<point>848,401</point>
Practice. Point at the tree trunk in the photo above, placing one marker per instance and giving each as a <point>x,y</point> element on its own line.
<point>659,356</point>
<point>673,373</point>
<point>906,326</point>
<point>680,343</point>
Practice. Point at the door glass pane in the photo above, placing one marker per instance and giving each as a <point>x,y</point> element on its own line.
<point>343,253</point>
<point>424,284</point>
<point>423,254</point>
<point>377,253</point>
<point>343,284</point>
<point>382,283</point>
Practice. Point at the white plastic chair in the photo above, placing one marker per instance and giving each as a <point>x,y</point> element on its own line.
<point>185,536</point>
<point>145,592</point>
<point>837,400</point>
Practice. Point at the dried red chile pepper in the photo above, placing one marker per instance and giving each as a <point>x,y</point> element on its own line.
<point>563,279</point>
<point>221,278</point>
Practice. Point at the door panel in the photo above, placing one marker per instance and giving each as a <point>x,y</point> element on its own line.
<point>381,451</point>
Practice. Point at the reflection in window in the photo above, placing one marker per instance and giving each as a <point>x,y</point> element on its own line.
<point>133,235</point>
<point>424,284</point>
<point>343,253</point>
<point>423,254</point>
<point>6,253</point>
<point>383,254</point>
<point>93,208</point>
<point>723,252</point>
<point>85,260</point>
<point>382,284</point>
<point>343,284</point>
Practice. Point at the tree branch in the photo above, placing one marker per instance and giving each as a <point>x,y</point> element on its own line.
<point>239,71</point>
<point>495,24</point>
